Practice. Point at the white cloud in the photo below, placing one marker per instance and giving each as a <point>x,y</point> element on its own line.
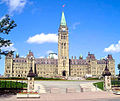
<point>2,18</point>
<point>49,51</point>
<point>41,57</point>
<point>113,47</point>
<point>75,25</point>
<point>23,56</point>
<point>15,5</point>
<point>9,48</point>
<point>43,38</point>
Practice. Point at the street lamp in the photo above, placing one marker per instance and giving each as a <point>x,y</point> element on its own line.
<point>31,76</point>
<point>107,77</point>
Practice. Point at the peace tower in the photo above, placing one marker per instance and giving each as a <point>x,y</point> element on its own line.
<point>63,48</point>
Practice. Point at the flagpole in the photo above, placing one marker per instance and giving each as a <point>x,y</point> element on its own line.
<point>63,7</point>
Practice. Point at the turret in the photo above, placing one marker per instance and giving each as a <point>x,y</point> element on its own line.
<point>90,56</point>
<point>17,55</point>
<point>30,60</point>
<point>8,65</point>
<point>80,57</point>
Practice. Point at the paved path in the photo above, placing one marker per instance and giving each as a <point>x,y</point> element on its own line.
<point>86,96</point>
<point>78,96</point>
<point>62,85</point>
<point>42,89</point>
<point>90,86</point>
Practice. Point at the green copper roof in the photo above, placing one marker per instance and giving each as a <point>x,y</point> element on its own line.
<point>81,55</point>
<point>63,21</point>
<point>17,54</point>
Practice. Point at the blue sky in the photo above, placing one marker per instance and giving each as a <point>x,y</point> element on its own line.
<point>93,26</point>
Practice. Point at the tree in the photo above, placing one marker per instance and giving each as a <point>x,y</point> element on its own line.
<point>119,69</point>
<point>6,25</point>
<point>118,66</point>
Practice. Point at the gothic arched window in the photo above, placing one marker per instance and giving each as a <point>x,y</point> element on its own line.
<point>64,63</point>
<point>62,45</point>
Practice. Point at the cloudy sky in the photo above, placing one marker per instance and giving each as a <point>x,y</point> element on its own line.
<point>93,27</point>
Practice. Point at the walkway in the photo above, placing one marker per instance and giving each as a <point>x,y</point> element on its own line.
<point>41,87</point>
<point>90,86</point>
<point>85,96</point>
<point>62,85</point>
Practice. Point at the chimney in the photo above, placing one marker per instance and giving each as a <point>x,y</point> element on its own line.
<point>75,57</point>
<point>72,57</point>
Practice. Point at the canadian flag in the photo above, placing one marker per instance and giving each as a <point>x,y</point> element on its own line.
<point>63,6</point>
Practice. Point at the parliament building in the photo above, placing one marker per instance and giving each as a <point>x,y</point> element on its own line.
<point>63,66</point>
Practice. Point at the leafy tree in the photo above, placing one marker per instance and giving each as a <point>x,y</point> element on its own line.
<point>6,25</point>
<point>118,66</point>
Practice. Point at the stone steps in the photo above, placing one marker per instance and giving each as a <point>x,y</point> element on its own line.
<point>42,89</point>
<point>90,86</point>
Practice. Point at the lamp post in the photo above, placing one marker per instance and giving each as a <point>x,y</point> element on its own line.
<point>31,76</point>
<point>107,77</point>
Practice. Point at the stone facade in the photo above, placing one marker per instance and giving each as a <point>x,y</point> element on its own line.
<point>63,66</point>
<point>80,67</point>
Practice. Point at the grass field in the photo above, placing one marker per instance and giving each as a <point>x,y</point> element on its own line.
<point>99,85</point>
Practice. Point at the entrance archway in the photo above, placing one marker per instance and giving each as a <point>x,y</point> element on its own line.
<point>64,73</point>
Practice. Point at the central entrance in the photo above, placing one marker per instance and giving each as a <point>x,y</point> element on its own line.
<point>64,73</point>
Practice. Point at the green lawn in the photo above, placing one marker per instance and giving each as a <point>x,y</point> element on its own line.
<point>99,85</point>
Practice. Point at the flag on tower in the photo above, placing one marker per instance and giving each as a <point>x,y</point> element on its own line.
<point>63,6</point>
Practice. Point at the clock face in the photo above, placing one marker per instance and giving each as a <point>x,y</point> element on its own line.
<point>63,29</point>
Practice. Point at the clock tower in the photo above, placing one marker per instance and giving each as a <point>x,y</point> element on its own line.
<point>63,48</point>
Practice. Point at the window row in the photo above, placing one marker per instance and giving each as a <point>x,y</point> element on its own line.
<point>63,37</point>
<point>19,71</point>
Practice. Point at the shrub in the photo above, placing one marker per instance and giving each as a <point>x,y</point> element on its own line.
<point>92,78</point>
<point>43,78</point>
<point>12,84</point>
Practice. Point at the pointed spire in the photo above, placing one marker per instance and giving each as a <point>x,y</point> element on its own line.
<point>106,72</point>
<point>17,55</point>
<point>81,57</point>
<point>63,21</point>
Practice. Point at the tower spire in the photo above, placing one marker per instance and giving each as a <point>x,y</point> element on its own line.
<point>63,48</point>
<point>63,21</point>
